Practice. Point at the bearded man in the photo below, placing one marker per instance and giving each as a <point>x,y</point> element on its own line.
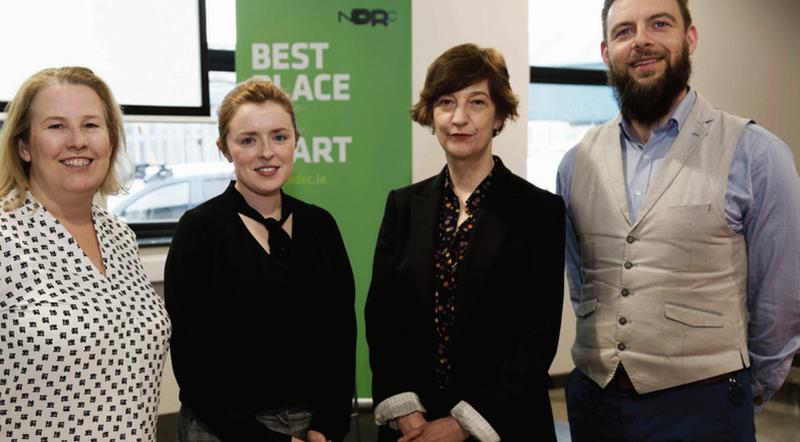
<point>683,248</point>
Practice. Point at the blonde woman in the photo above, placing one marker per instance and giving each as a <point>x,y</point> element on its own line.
<point>83,334</point>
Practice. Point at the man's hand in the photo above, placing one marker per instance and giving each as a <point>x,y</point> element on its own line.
<point>441,430</point>
<point>410,421</point>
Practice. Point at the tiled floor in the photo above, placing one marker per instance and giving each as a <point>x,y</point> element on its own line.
<point>779,422</point>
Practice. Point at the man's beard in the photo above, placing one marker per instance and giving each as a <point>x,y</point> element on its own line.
<point>647,103</point>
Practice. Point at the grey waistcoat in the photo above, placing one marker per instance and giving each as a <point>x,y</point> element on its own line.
<point>664,295</point>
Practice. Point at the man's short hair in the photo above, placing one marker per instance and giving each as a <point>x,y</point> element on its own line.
<point>682,4</point>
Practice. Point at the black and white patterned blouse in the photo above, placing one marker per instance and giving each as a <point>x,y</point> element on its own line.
<point>81,354</point>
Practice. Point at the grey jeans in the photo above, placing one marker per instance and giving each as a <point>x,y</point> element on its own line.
<point>293,421</point>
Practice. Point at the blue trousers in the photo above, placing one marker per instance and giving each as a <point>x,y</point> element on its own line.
<point>691,413</point>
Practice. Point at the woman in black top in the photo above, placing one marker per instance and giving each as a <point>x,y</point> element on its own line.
<point>464,307</point>
<point>260,291</point>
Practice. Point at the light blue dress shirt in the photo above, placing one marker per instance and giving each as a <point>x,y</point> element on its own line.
<point>762,202</point>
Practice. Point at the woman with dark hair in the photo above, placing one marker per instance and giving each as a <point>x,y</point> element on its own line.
<point>464,308</point>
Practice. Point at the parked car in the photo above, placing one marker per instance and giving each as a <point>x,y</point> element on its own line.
<point>161,193</point>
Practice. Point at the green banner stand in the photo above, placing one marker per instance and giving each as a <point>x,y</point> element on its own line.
<point>347,67</point>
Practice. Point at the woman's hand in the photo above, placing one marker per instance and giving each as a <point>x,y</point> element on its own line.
<point>410,421</point>
<point>316,436</point>
<point>441,430</point>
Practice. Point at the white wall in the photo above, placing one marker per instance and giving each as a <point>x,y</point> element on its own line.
<point>748,61</point>
<point>169,402</point>
<point>441,24</point>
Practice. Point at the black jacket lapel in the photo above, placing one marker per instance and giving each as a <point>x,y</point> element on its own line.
<point>424,212</point>
<point>489,235</point>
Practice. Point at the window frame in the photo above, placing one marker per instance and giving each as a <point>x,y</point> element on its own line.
<point>157,234</point>
<point>550,75</point>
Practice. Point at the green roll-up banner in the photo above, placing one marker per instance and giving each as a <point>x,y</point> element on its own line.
<point>347,66</point>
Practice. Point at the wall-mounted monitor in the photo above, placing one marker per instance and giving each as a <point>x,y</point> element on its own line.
<point>152,53</point>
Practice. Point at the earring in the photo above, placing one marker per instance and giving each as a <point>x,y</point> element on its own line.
<point>495,132</point>
<point>433,131</point>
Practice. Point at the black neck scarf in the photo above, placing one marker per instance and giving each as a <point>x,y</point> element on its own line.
<point>280,244</point>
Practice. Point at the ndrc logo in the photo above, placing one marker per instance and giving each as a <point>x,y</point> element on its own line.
<point>361,16</point>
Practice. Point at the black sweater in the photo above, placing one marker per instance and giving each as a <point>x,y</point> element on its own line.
<point>249,336</point>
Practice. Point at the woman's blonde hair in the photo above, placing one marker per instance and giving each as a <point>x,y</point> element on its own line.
<point>14,172</point>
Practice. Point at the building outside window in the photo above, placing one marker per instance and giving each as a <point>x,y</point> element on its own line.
<point>567,94</point>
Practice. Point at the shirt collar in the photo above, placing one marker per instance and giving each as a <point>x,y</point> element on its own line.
<point>479,193</point>
<point>676,120</point>
<point>448,183</point>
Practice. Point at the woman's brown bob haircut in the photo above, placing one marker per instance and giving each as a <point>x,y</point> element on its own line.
<point>255,91</point>
<point>462,66</point>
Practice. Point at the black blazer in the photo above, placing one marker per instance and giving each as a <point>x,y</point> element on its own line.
<point>508,306</point>
<point>243,342</point>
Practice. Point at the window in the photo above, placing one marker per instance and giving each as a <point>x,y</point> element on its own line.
<point>221,30</point>
<point>178,142</point>
<point>568,93</point>
<point>558,117</point>
<point>161,203</point>
<point>170,151</point>
<point>177,163</point>
<point>565,34</point>
<point>214,186</point>
<point>126,42</point>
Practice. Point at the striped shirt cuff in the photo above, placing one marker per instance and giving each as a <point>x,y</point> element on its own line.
<point>473,423</point>
<point>396,406</point>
